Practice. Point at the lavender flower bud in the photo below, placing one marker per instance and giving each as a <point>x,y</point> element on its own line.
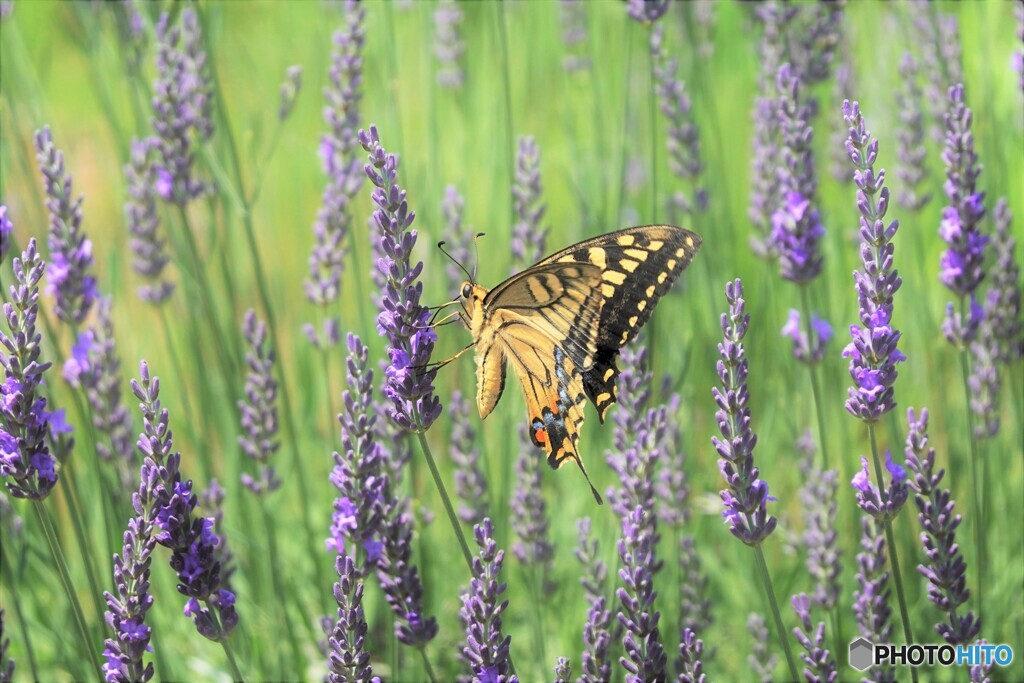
<point>7,663</point>
<point>694,605</point>
<point>528,237</point>
<point>402,319</point>
<point>940,55</point>
<point>563,670</point>
<point>573,17</point>
<point>646,11</point>
<point>6,228</point>
<point>645,658</point>
<point>984,381</point>
<point>747,496</point>
<point>806,350</point>
<point>470,483</point>
<point>882,505</point>
<point>873,353</point>
<point>819,503</point>
<point>945,569</point>
<point>597,638</point>
<point>911,149</point>
<point>67,273</point>
<point>871,598</point>
<point>289,91</point>
<point>689,664</point>
<point>448,45</point>
<point>259,408</point>
<point>1002,302</point>
<point>761,660</point>
<point>530,514</point>
<point>486,650</point>
<point>980,673</point>
<point>399,578</point>
<point>348,660</point>
<point>148,247</point>
<point>821,666</point>
<point>25,457</point>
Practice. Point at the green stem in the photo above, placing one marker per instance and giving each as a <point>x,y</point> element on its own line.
<point>780,629</point>
<point>426,665</point>
<point>443,492</point>
<point>69,587</point>
<point>890,541</point>
<point>279,588</point>
<point>26,634</point>
<point>236,673</point>
<point>815,390</point>
<point>977,479</point>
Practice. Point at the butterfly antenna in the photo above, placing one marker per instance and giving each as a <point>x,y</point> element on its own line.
<point>476,251</point>
<point>597,496</point>
<point>440,245</point>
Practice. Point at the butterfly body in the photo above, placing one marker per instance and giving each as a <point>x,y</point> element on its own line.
<point>561,323</point>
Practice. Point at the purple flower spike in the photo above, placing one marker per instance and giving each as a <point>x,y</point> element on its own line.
<point>1003,300</point>
<point>796,224</point>
<point>873,353</point>
<point>960,267</point>
<point>399,578</point>
<point>212,500</point>
<point>448,45</point>
<point>804,350</point>
<point>6,228</point>
<point>563,671</point>
<point>259,409</point>
<point>689,664</point>
<point>573,18</point>
<point>149,249</point>
<point>819,501</point>
<point>645,658</point>
<point>348,660</point>
<point>597,637</point>
<point>646,11</point>
<point>945,568</point>
<point>182,107</point>
<point>67,273</point>
<point>911,170</point>
<point>530,514</point>
<point>7,663</point>
<point>528,236</point>
<point>746,498</point>
<point>470,483</point>
<point>402,319</point>
<point>290,91</point>
<point>821,666</point>
<point>882,505</point>
<point>25,458</point>
<point>486,650</point>
<point>871,598</point>
<point>761,660</point>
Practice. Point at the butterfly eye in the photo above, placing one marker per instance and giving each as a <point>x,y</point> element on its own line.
<point>467,290</point>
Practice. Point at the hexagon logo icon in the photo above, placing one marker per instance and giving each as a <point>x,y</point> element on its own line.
<point>861,651</point>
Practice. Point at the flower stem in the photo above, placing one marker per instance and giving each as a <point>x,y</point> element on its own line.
<point>236,674</point>
<point>890,541</point>
<point>815,390</point>
<point>26,634</point>
<point>439,483</point>
<point>977,481</point>
<point>769,589</point>
<point>426,665</point>
<point>279,588</point>
<point>65,578</point>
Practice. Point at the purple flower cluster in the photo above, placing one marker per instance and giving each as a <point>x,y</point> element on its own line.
<point>694,603</point>
<point>6,228</point>
<point>960,267</point>
<point>939,40</point>
<point>573,18</point>
<point>796,224</point>
<point>290,88</point>
<point>871,598</point>
<point>191,540</point>
<point>844,90</point>
<point>7,663</point>
<point>528,236</point>
<point>911,149</point>
<point>563,670</point>
<point>747,497</point>
<point>984,382</point>
<point>529,513</point>
<point>341,165</point>
<point>672,492</point>
<point>470,483</point>
<point>882,505</point>
<point>448,45</point>
<point>347,659</point>
<point>259,408</point>
<point>25,457</point>
<point>646,11</point>
<point>645,658</point>
<point>212,501</point>
<point>813,44</point>
<point>182,107</point>
<point>945,568</point>
<point>683,139</point>
<point>402,319</point>
<point>806,350</point>
<point>820,664</point>
<point>818,497</point>
<point>486,650</point>
<point>597,636</point>
<point>359,508</point>
<point>689,662</point>
<point>67,273</point>
<point>761,660</point>
<point>873,353</point>
<point>1003,299</point>
<point>149,249</point>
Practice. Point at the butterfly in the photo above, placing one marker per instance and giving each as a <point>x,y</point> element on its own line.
<point>561,322</point>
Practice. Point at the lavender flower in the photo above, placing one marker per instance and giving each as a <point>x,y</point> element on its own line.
<point>399,578</point>
<point>818,497</point>
<point>646,11</point>
<point>821,665</point>
<point>573,17</point>
<point>882,505</point>
<point>342,166</point>
<point>844,89</point>
<point>813,46</point>
<point>746,498</point>
<point>259,409</point>
<point>25,456</point>
<point>148,247</point>
<point>448,45</point>
<point>597,638</point>
<point>528,236</point>
<point>67,273</point>
<point>1002,302</point>
<point>212,499</point>
<point>530,515</point>
<point>402,319</point>
<point>348,659</point>
<point>7,663</point>
<point>796,225</point>
<point>980,673</point>
<point>639,436</point>
<point>984,382</point>
<point>182,107</point>
<point>486,649</point>
<point>945,568</point>
<point>689,664</point>
<point>191,539</point>
<point>940,56</point>
<point>358,510</point>
<point>683,139</point>
<point>6,228</point>
<point>645,658</point>
<point>671,488</point>
<point>871,599</point>
<point>873,353</point>
<point>289,91</point>
<point>806,350</point>
<point>563,670</point>
<point>760,659</point>
<point>961,264</point>
<point>694,605</point>
<point>911,150</point>
<point>470,483</point>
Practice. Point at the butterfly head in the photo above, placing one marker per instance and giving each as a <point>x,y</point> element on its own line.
<point>471,296</point>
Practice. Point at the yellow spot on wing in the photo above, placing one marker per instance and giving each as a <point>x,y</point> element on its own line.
<point>607,290</point>
<point>680,252</point>
<point>602,397</point>
<point>662,277</point>
<point>626,240</point>
<point>641,305</point>
<point>608,373</point>
<point>638,254</point>
<point>689,241</point>
<point>614,277</point>
<point>671,264</point>
<point>597,257</point>
<point>632,321</point>
<point>629,264</point>
<point>650,291</point>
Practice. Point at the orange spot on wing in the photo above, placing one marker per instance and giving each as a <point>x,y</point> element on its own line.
<point>541,435</point>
